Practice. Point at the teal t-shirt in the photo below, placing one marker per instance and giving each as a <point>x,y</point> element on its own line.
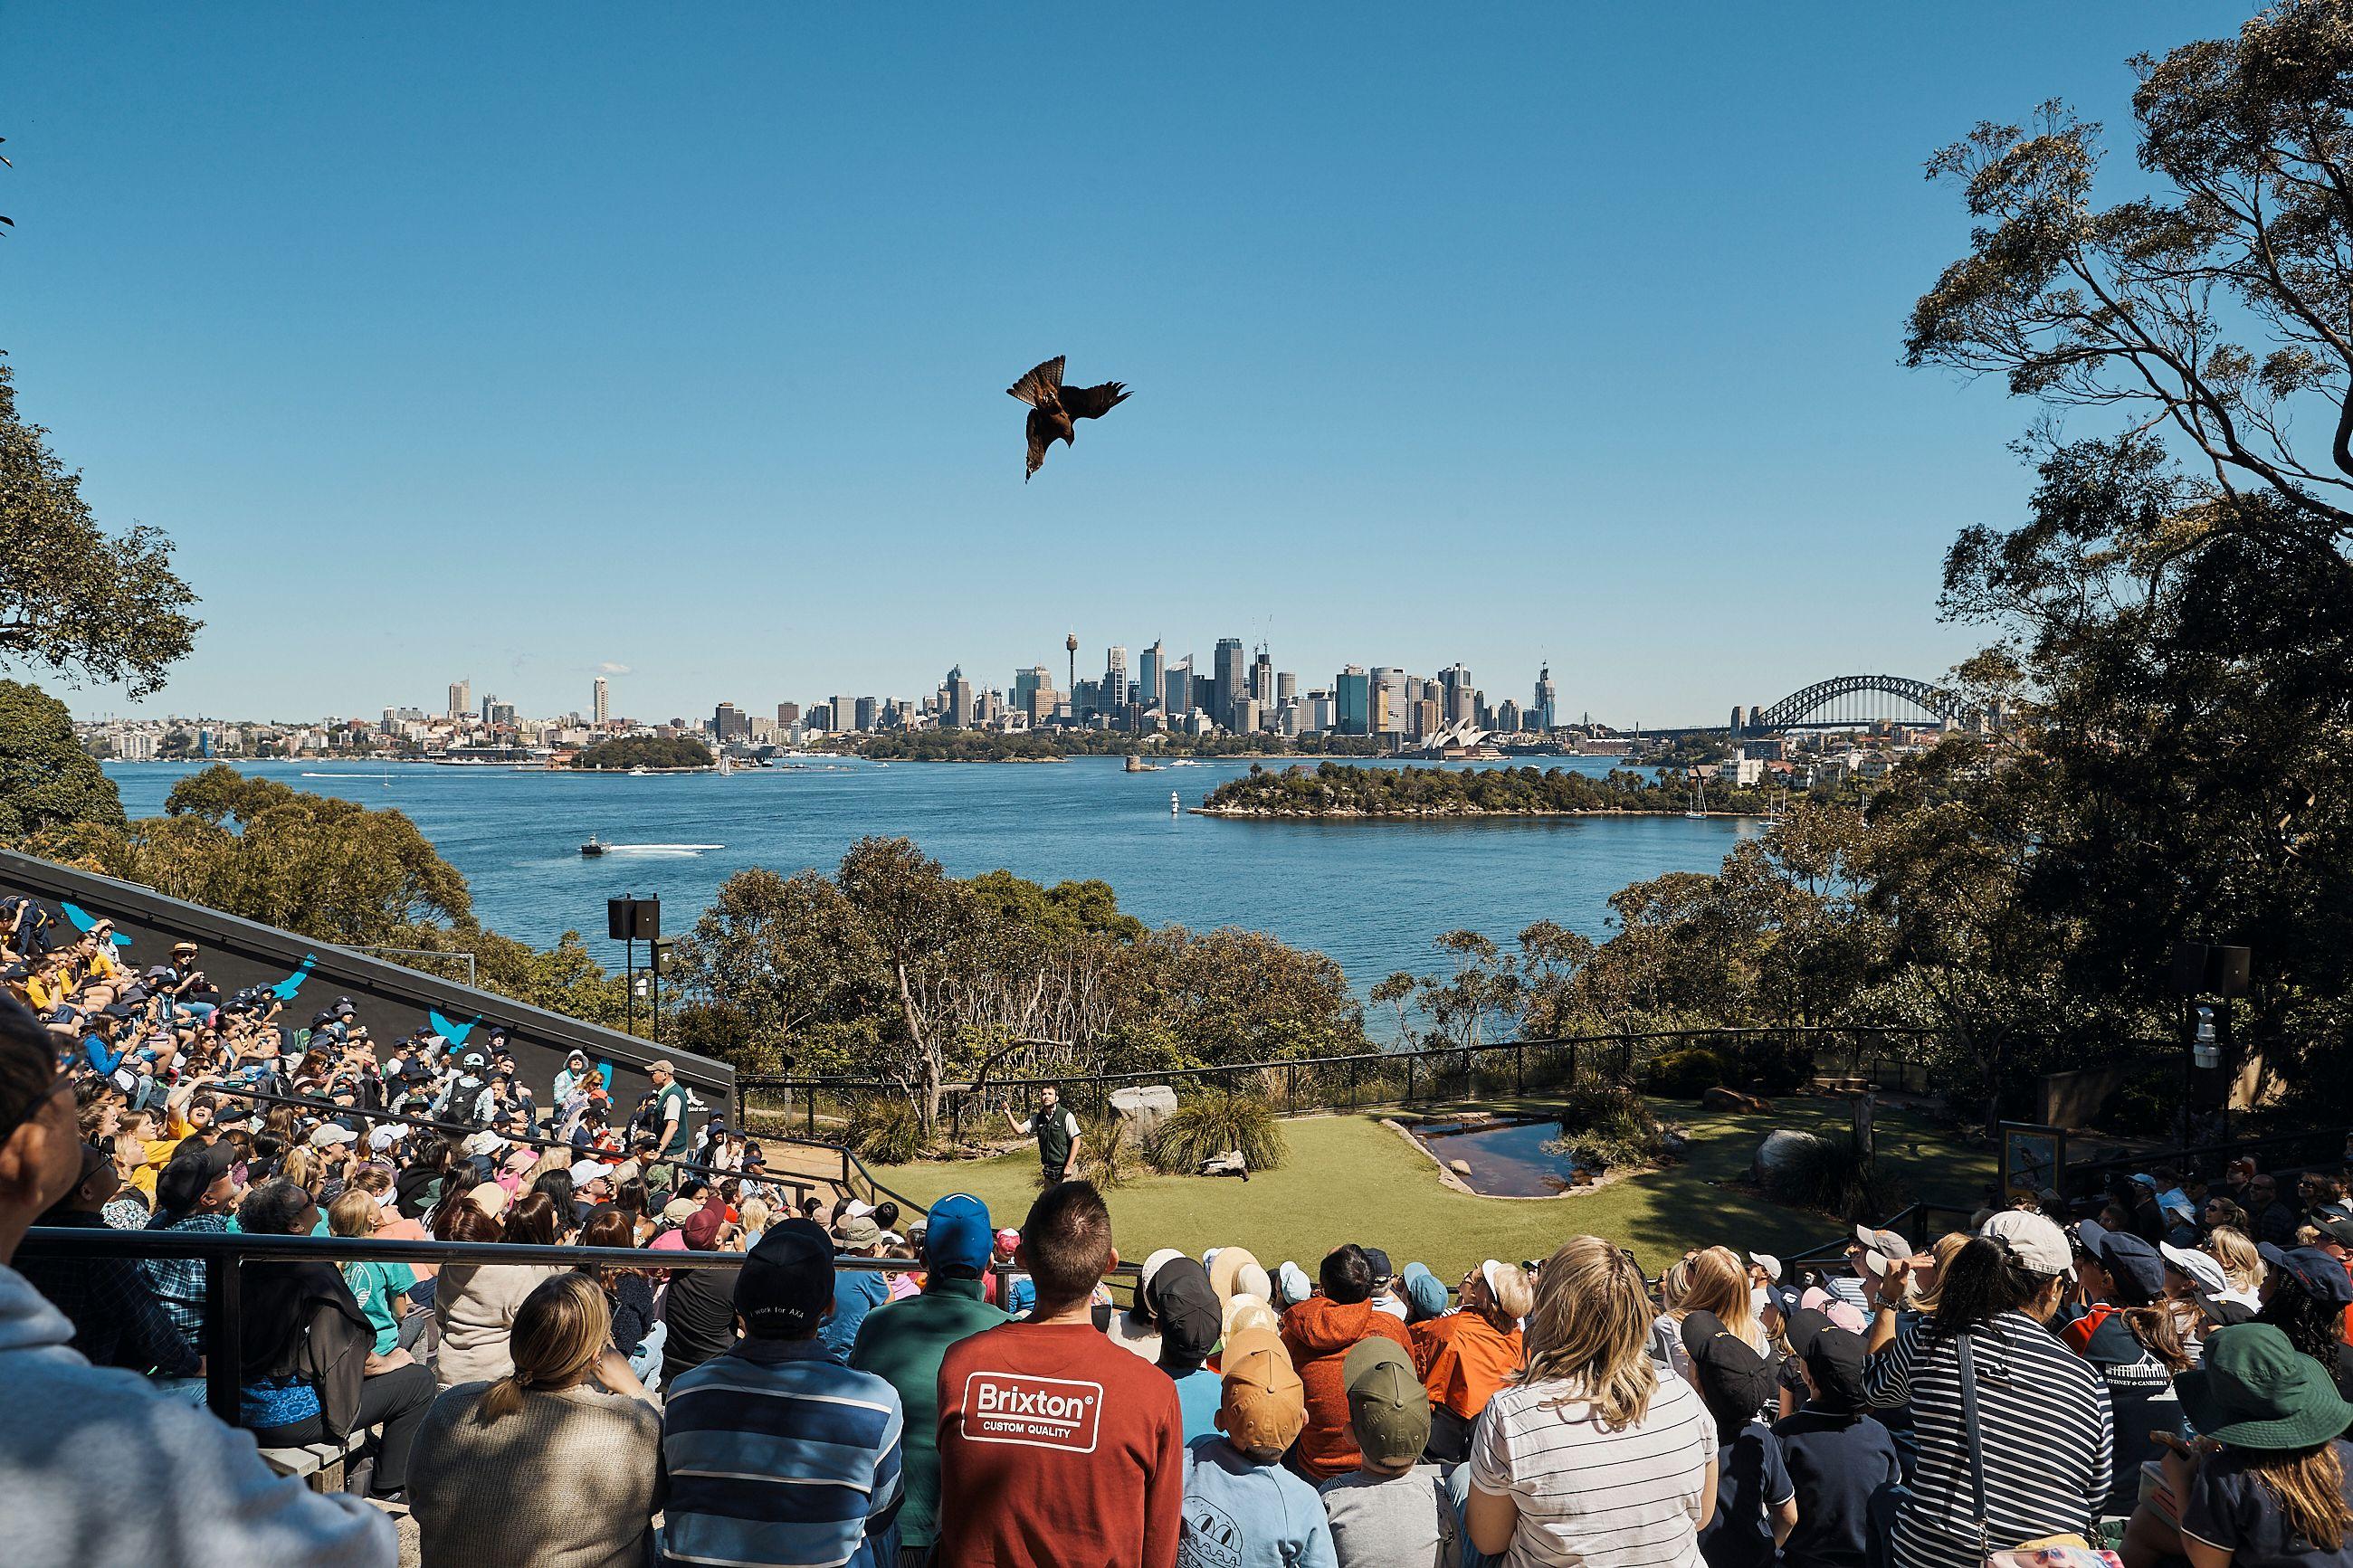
<point>376,1285</point>
<point>674,1103</point>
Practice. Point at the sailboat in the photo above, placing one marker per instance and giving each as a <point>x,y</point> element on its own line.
<point>1692,807</point>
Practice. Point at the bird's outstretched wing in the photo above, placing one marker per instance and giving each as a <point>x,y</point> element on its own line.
<point>1038,387</point>
<point>1092,402</point>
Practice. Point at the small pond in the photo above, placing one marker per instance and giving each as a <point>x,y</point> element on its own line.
<point>1506,1159</point>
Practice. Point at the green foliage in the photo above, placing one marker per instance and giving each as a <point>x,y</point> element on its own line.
<point>1107,1155</point>
<point>1338,789</point>
<point>1829,1173</point>
<point>1686,1074</point>
<point>90,605</point>
<point>884,1131</point>
<point>47,783</point>
<point>891,969</point>
<point>1213,1124</point>
<point>1053,745</point>
<point>644,752</point>
<point>1605,1126</point>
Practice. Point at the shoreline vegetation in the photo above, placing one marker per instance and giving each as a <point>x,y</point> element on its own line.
<point>651,752</point>
<point>1040,746</point>
<point>1345,791</point>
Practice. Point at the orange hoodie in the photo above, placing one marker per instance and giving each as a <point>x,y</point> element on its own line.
<point>1319,1332</point>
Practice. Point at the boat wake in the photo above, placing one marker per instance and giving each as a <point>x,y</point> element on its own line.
<point>660,848</point>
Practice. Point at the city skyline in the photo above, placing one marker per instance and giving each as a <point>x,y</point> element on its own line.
<point>438,409</point>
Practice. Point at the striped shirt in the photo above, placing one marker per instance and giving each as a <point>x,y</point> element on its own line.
<point>775,1454</point>
<point>1588,1495</point>
<point>2047,1439</point>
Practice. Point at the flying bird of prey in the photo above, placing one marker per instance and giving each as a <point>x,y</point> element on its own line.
<point>1054,408</point>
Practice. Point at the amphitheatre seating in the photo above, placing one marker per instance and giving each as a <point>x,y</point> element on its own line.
<point>323,1467</point>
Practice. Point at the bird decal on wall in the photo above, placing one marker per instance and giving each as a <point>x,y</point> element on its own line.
<point>1054,409</point>
<point>285,989</point>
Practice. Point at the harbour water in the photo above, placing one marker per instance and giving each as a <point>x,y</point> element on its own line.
<point>1374,895</point>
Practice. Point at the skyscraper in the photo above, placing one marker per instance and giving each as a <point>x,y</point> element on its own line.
<point>1228,679</point>
<point>1114,685</point>
<point>788,715</point>
<point>601,707</point>
<point>1388,711</point>
<point>728,724</point>
<point>1352,702</point>
<point>1462,701</point>
<point>1262,679</point>
<point>1152,672</point>
<point>955,701</point>
<point>1541,715</point>
<point>461,698</point>
<point>1286,686</point>
<point>1177,689</point>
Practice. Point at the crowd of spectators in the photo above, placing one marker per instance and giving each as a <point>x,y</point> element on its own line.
<point>2154,1378</point>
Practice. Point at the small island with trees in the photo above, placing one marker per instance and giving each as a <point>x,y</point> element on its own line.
<point>1057,745</point>
<point>1345,791</point>
<point>651,752</point>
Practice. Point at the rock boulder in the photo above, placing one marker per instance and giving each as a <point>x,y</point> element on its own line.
<point>1780,1149</point>
<point>1143,1108</point>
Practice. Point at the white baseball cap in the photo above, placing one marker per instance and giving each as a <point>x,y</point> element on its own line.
<point>587,1170</point>
<point>1768,1262</point>
<point>2200,1267</point>
<point>2035,1240</point>
<point>333,1136</point>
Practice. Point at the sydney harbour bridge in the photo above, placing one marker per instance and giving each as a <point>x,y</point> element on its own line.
<point>1856,701</point>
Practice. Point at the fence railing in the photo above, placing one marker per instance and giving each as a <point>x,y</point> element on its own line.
<point>1292,1085</point>
<point>225,1255</point>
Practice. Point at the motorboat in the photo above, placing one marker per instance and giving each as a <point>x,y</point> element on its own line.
<point>593,848</point>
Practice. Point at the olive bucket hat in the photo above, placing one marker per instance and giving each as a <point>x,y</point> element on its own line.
<point>2256,1390</point>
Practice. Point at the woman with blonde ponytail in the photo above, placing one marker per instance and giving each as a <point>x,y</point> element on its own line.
<point>1591,1413</point>
<point>543,1465</point>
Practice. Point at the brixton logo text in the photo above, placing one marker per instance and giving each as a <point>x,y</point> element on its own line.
<point>1036,1411</point>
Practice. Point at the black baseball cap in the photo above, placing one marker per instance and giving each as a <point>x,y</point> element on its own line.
<point>785,1285</point>
<point>1735,1380</point>
<point>1834,1356</point>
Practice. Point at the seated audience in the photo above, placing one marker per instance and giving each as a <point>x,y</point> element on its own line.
<point>1026,1474</point>
<point>1594,1456</point>
<point>906,1343</point>
<point>1242,1507</point>
<point>1319,1333</point>
<point>1393,1509</point>
<point>556,1462</point>
<point>774,1453</point>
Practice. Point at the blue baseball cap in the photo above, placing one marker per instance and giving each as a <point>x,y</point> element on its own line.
<point>957,1235</point>
<point>2314,1272</point>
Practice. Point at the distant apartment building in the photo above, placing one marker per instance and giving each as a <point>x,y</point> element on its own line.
<point>1319,718</point>
<point>461,698</point>
<point>600,704</point>
<point>1508,717</point>
<point>788,715</point>
<point>957,710</point>
<point>866,713</point>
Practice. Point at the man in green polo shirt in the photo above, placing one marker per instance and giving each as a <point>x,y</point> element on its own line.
<point>1056,1128</point>
<point>671,1139</point>
<point>903,1343</point>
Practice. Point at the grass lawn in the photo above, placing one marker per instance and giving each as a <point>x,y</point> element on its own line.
<point>1350,1179</point>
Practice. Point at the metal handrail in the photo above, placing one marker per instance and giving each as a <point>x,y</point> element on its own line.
<point>787,1081</point>
<point>225,1253</point>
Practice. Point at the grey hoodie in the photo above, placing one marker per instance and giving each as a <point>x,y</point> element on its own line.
<point>97,1468</point>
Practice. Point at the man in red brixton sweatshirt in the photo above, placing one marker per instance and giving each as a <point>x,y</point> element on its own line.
<point>1319,1332</point>
<point>1057,1447</point>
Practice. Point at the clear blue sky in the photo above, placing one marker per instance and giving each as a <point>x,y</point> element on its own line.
<point>512,341</point>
